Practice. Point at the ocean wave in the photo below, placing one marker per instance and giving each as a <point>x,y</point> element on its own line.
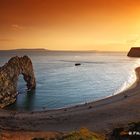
<point>131,79</point>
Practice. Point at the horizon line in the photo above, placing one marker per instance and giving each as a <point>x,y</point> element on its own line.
<point>59,50</point>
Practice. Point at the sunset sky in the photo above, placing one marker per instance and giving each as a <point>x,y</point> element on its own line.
<point>107,25</point>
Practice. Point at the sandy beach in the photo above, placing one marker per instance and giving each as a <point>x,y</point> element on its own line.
<point>100,116</point>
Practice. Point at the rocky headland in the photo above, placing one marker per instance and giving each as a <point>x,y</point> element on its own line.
<point>9,77</point>
<point>134,52</point>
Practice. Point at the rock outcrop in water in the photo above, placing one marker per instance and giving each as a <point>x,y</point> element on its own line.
<point>134,52</point>
<point>9,77</point>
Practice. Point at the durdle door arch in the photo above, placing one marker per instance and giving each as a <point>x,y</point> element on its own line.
<point>9,74</point>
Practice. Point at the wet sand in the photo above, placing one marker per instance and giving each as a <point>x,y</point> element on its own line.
<point>100,116</point>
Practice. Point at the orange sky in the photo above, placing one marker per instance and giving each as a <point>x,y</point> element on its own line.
<point>111,25</point>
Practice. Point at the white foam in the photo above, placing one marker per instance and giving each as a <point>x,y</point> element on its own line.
<point>131,79</point>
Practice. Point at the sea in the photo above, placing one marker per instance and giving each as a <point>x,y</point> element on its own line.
<point>59,83</point>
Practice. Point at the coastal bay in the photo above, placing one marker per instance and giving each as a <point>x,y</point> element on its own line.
<point>100,116</point>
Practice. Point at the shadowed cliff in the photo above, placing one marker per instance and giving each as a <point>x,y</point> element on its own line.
<point>134,52</point>
<point>9,77</point>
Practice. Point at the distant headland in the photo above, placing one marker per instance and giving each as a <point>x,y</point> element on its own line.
<point>43,49</point>
<point>27,50</point>
<point>48,50</point>
<point>134,52</point>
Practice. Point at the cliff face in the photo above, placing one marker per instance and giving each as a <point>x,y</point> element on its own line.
<point>134,52</point>
<point>9,76</point>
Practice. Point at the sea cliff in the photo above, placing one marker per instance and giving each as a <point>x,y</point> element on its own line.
<point>134,52</point>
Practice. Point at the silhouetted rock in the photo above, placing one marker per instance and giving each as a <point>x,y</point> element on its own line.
<point>134,52</point>
<point>77,64</point>
<point>9,76</point>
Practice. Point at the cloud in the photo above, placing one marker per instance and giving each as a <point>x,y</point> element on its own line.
<point>5,40</point>
<point>16,27</point>
<point>133,39</point>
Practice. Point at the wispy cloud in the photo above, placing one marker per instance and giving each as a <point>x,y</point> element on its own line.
<point>132,39</point>
<point>16,27</point>
<point>5,40</point>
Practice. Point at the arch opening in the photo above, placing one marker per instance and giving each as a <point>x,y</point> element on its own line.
<point>9,75</point>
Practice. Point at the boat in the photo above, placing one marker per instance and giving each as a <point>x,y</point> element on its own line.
<point>77,64</point>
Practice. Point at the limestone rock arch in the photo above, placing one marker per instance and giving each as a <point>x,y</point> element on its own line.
<point>9,76</point>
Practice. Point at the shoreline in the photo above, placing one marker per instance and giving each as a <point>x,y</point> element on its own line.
<point>120,90</point>
<point>82,103</point>
<point>99,116</point>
